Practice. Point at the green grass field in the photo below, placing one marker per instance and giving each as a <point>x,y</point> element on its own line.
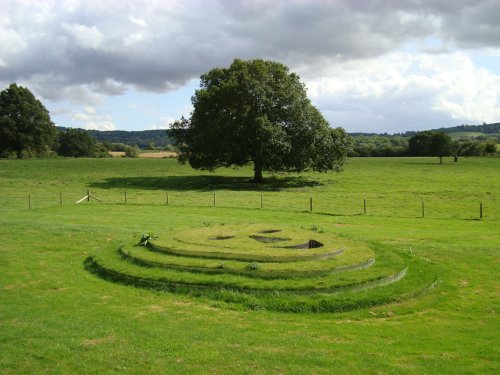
<point>57,317</point>
<point>458,135</point>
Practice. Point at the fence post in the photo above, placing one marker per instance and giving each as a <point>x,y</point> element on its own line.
<point>423,209</point>
<point>167,199</point>
<point>88,195</point>
<point>261,202</point>
<point>310,204</point>
<point>60,198</point>
<point>364,205</point>
<point>125,196</point>
<point>29,201</point>
<point>481,210</point>
<point>214,200</point>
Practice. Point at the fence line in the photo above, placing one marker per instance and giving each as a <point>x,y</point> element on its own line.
<point>399,206</point>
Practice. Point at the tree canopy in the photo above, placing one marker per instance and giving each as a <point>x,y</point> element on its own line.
<point>490,147</point>
<point>431,143</point>
<point>258,111</point>
<point>25,125</point>
<point>76,143</point>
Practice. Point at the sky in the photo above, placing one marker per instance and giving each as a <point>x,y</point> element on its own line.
<point>369,65</point>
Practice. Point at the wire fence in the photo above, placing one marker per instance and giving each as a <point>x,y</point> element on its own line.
<point>485,206</point>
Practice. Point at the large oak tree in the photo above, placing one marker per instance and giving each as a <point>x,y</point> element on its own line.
<point>25,124</point>
<point>258,111</point>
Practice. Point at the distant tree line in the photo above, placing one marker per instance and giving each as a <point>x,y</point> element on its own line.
<point>144,139</point>
<point>379,145</point>
<point>80,143</point>
<point>419,144</point>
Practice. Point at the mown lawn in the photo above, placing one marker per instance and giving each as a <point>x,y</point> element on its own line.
<point>55,317</point>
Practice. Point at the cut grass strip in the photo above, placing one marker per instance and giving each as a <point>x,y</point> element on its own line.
<point>357,252</point>
<point>198,253</point>
<point>172,262</point>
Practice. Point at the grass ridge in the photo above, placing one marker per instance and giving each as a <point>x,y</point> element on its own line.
<point>270,274</point>
<point>242,257</point>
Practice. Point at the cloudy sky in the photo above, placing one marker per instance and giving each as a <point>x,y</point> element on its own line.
<point>371,66</point>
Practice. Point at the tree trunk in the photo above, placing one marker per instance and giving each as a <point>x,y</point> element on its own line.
<point>440,160</point>
<point>257,176</point>
<point>455,158</point>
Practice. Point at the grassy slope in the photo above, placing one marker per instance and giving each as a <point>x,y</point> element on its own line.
<point>56,317</point>
<point>458,135</point>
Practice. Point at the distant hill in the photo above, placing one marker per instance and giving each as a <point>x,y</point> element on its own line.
<point>480,132</point>
<point>143,138</point>
<point>485,128</point>
<point>456,132</point>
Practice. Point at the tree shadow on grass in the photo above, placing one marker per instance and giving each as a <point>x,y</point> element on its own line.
<point>425,163</point>
<point>204,183</point>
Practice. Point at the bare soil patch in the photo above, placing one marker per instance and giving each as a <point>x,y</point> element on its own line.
<point>153,155</point>
<point>158,154</point>
<point>116,154</point>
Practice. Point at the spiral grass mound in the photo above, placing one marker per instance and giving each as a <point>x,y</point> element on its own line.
<point>278,268</point>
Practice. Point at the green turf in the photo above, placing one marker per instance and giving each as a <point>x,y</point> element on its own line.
<point>355,257</point>
<point>387,264</point>
<point>241,241</point>
<point>56,317</point>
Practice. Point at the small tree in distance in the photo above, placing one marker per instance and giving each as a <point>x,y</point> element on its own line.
<point>490,147</point>
<point>76,143</point>
<point>257,112</point>
<point>431,143</point>
<point>131,152</point>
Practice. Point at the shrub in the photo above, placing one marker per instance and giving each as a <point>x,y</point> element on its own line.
<point>146,238</point>
<point>132,152</point>
<point>117,147</point>
<point>254,266</point>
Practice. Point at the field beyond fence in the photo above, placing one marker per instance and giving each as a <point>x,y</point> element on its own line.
<point>394,187</point>
<point>375,205</point>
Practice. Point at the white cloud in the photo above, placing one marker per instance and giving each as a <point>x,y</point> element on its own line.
<point>91,119</point>
<point>109,87</point>
<point>163,123</point>
<point>138,21</point>
<point>407,92</point>
<point>133,39</point>
<point>84,36</point>
<point>60,111</point>
<point>100,125</point>
<point>56,88</point>
<point>89,110</point>
<point>11,41</point>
